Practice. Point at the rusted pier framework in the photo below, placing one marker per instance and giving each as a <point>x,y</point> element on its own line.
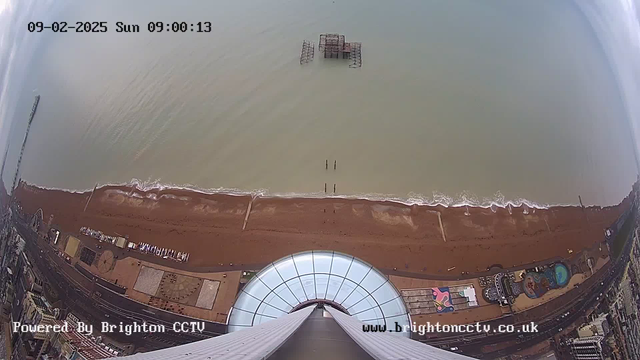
<point>307,53</point>
<point>334,46</point>
<point>355,55</point>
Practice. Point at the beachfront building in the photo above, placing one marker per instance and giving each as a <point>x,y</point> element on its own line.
<point>74,345</point>
<point>624,313</point>
<point>598,326</point>
<point>317,304</point>
<point>36,311</point>
<point>587,348</point>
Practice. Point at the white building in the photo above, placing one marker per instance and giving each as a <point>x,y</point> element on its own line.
<point>587,348</point>
<point>599,326</point>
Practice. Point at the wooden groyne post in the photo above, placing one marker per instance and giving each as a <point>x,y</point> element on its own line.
<point>89,199</point>
<point>246,216</point>
<point>586,216</point>
<point>441,227</point>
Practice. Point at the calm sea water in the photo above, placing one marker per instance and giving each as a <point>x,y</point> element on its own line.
<point>457,101</point>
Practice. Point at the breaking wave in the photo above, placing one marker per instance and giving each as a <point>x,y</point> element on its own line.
<point>461,200</point>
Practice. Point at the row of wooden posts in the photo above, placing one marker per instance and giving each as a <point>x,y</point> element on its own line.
<point>326,164</point>
<point>325,188</point>
<point>326,167</point>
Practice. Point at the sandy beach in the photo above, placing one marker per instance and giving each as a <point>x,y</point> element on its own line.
<point>388,235</point>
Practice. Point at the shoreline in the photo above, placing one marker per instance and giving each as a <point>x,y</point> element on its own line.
<point>220,229</point>
<point>463,199</point>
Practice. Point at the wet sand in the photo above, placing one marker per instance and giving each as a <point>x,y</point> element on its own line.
<point>386,234</point>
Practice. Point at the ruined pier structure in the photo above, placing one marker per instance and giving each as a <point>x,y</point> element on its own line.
<point>333,46</point>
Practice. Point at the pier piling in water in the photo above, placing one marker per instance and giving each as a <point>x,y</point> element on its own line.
<point>335,164</point>
<point>356,55</point>
<point>307,52</point>
<point>326,164</point>
<point>335,46</point>
<point>325,188</point>
<point>334,188</point>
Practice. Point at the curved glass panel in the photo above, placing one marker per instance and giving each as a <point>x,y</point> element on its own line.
<point>359,288</point>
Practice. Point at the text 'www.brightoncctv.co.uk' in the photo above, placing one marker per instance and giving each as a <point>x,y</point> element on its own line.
<point>428,327</point>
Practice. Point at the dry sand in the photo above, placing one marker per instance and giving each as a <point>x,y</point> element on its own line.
<point>386,234</point>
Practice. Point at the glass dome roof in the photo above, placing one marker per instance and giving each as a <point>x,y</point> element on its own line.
<point>343,281</point>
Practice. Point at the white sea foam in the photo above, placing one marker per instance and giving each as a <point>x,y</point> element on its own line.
<point>465,198</point>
